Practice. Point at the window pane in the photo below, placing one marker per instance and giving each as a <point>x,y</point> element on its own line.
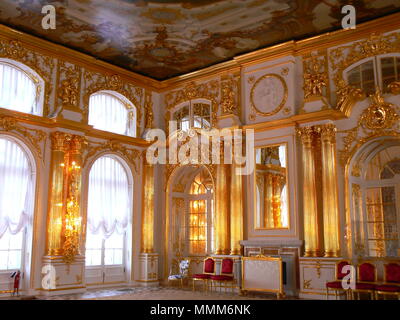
<point>388,72</point>
<point>93,257</point>
<point>110,113</point>
<point>17,90</point>
<point>14,259</point>
<point>353,77</point>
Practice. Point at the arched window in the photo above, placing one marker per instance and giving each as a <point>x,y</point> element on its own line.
<point>193,114</point>
<point>16,203</point>
<point>201,236</point>
<point>110,111</point>
<point>109,209</point>
<point>19,90</point>
<point>381,70</point>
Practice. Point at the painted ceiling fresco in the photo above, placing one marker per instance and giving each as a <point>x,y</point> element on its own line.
<point>162,38</point>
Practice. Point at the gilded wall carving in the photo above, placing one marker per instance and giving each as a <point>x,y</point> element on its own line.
<point>94,148</point>
<point>315,74</point>
<point>380,118</point>
<point>36,137</point>
<point>68,85</point>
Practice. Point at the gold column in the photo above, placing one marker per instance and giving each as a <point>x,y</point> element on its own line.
<point>236,211</point>
<point>268,217</point>
<point>222,210</point>
<point>277,183</point>
<point>310,210</point>
<point>329,191</point>
<point>73,217</point>
<point>64,218</point>
<point>55,208</point>
<point>148,209</point>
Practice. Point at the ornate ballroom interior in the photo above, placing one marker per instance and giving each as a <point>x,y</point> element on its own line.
<point>82,208</point>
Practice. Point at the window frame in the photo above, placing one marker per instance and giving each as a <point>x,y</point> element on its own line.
<point>191,104</point>
<point>36,79</point>
<point>129,106</point>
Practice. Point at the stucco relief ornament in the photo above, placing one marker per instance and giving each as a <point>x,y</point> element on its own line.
<point>69,91</point>
<point>315,77</point>
<point>228,99</point>
<point>394,87</point>
<point>380,115</point>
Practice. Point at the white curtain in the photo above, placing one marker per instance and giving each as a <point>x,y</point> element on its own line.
<point>108,200</point>
<point>108,113</point>
<point>16,188</point>
<point>17,90</point>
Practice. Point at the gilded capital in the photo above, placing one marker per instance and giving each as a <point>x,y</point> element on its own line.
<point>328,132</point>
<point>60,141</point>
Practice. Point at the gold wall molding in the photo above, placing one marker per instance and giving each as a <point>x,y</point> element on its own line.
<point>96,148</point>
<point>35,136</point>
<point>276,108</point>
<point>43,65</point>
<point>148,109</point>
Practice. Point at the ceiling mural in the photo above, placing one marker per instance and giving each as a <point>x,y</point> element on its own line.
<point>162,38</point>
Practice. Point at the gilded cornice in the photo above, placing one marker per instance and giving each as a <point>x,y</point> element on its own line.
<point>295,120</point>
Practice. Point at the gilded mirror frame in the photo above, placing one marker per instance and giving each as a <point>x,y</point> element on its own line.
<point>256,227</point>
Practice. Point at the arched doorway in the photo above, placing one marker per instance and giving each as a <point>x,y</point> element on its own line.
<point>190,216</point>
<point>109,212</point>
<point>374,184</point>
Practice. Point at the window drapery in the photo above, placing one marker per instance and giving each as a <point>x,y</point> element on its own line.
<point>17,90</point>
<point>109,113</point>
<point>108,199</point>
<point>16,188</point>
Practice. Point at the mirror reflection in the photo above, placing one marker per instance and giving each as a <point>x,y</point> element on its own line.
<point>272,202</point>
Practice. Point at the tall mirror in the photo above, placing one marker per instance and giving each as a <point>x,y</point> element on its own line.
<point>271,187</point>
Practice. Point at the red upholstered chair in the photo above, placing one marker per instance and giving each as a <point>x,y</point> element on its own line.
<point>336,285</point>
<point>366,279</point>
<point>208,271</point>
<point>391,285</point>
<point>225,278</point>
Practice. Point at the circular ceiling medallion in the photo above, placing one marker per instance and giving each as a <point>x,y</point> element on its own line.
<point>268,94</point>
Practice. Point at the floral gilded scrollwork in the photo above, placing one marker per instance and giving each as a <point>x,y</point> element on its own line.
<point>69,85</point>
<point>315,75</point>
<point>35,136</point>
<point>380,118</point>
<point>132,155</point>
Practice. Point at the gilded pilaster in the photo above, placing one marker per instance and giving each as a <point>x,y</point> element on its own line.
<point>222,210</point>
<point>148,209</point>
<point>64,219</point>
<point>268,193</point>
<point>236,220</point>
<point>55,214</point>
<point>330,191</point>
<point>310,209</point>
